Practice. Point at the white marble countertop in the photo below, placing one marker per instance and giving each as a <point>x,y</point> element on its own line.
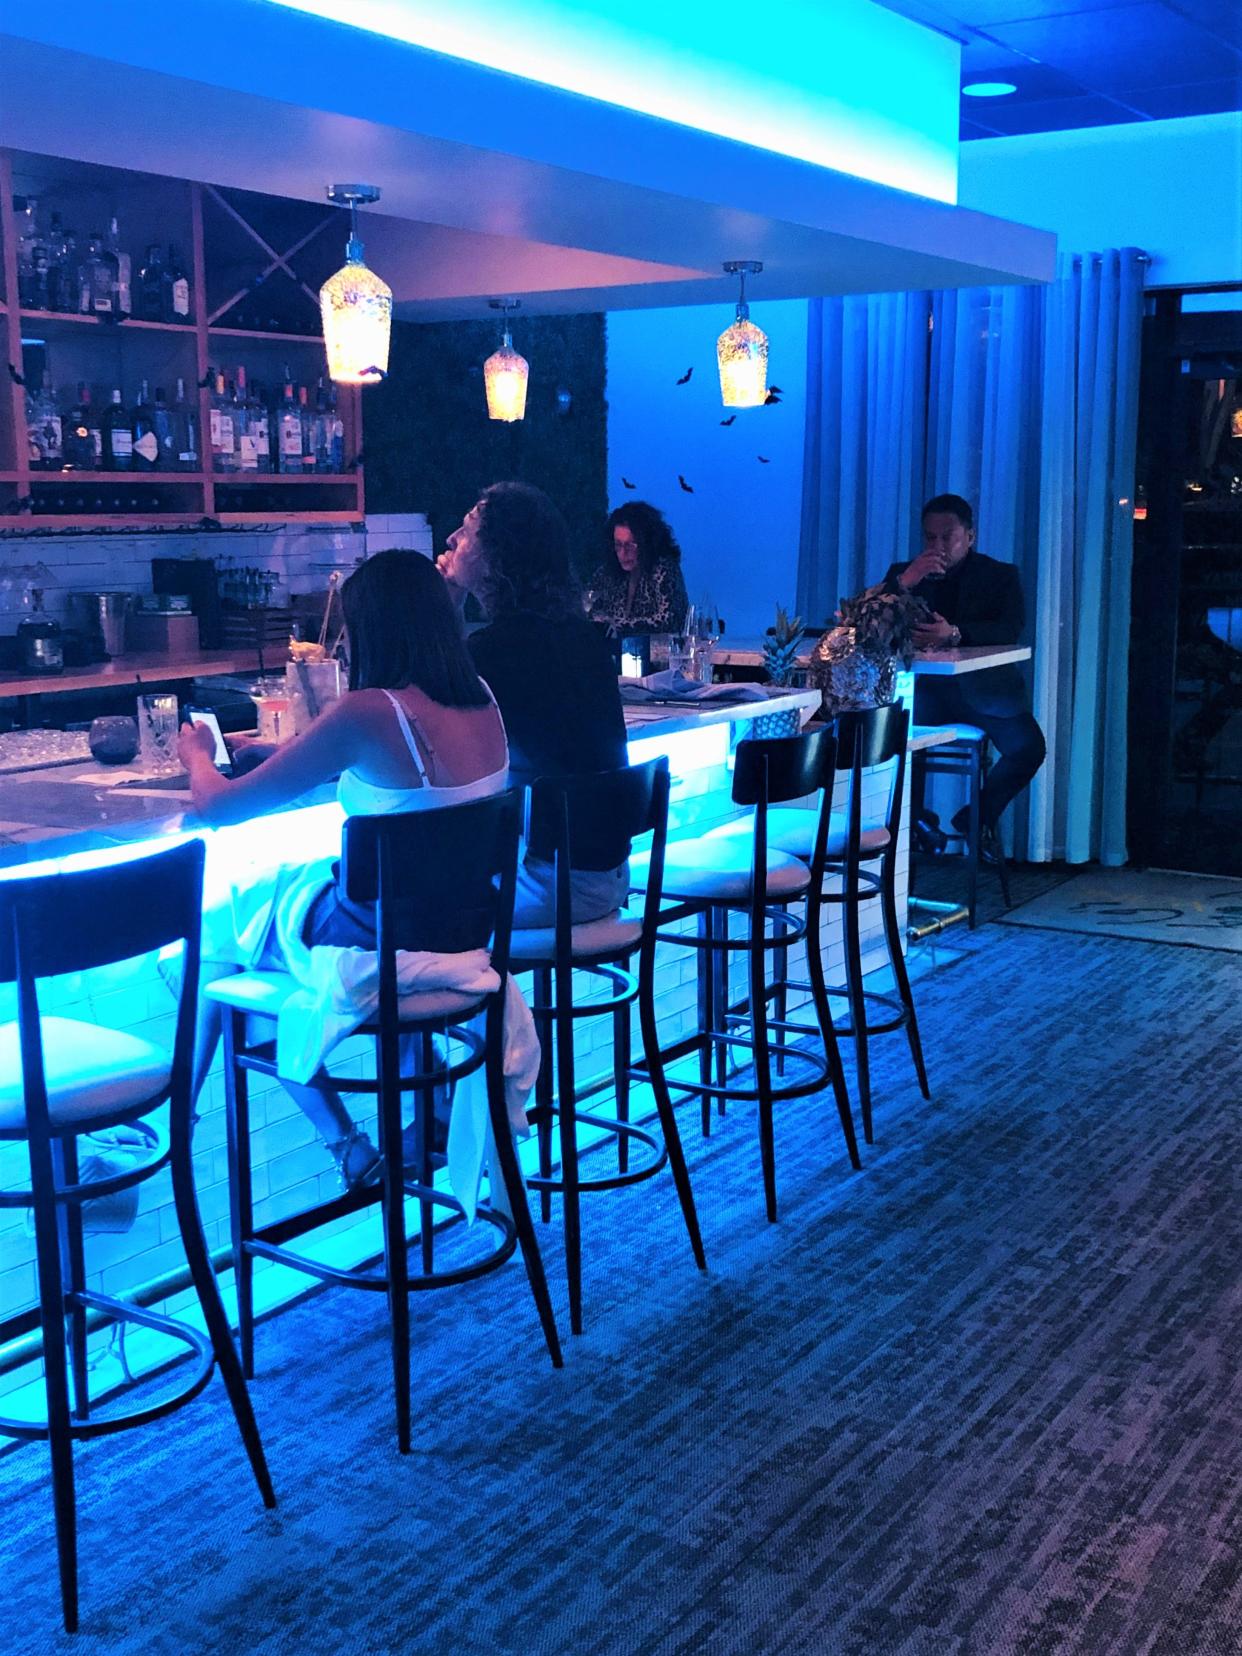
<point>968,658</point>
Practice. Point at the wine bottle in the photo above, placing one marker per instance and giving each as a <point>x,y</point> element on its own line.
<point>146,450</point>
<point>118,436</point>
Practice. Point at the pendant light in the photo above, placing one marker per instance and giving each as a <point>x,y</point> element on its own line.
<point>356,306</point>
<point>505,372</point>
<point>742,349</point>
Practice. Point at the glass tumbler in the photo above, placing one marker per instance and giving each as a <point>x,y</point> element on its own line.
<point>157,735</point>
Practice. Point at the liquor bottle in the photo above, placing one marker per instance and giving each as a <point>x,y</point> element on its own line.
<point>247,440</point>
<point>43,427</point>
<point>80,435</point>
<point>26,209</point>
<point>260,424</point>
<point>34,272</point>
<point>146,451</point>
<point>97,279</point>
<point>185,430</point>
<point>122,303</point>
<point>62,273</point>
<point>336,434</point>
<point>118,436</point>
<point>290,427</point>
<point>307,417</point>
<point>223,433</point>
<point>165,434</point>
<point>39,639</point>
<point>178,286</point>
<point>154,287</point>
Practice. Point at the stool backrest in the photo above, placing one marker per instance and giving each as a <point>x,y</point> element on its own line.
<point>866,739</point>
<point>442,880</point>
<point>73,922</point>
<point>567,812</point>
<point>777,768</point>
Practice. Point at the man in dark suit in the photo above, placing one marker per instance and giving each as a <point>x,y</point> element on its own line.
<point>975,600</point>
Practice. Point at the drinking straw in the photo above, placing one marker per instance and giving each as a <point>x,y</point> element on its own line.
<point>327,608</point>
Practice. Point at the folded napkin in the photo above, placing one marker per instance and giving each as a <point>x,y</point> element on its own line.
<point>673,686</point>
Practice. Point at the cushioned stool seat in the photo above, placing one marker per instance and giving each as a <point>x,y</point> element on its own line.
<point>792,830</point>
<point>91,1073</point>
<point>615,933</point>
<point>719,870</point>
<point>266,992</point>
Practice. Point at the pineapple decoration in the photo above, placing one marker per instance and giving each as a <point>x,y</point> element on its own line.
<point>780,647</point>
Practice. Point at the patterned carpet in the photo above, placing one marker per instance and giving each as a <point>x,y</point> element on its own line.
<point>1196,910</point>
<point>981,1399</point>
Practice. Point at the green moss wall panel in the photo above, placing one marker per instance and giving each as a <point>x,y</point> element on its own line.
<point>431,448</point>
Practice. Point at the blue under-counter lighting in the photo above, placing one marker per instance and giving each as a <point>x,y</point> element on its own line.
<point>988,89</point>
<point>848,85</point>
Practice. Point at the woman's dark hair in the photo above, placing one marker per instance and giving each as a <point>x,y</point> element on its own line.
<point>525,541</point>
<point>405,631</point>
<point>650,529</point>
<point>954,505</point>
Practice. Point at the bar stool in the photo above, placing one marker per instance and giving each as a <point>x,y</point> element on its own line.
<point>443,881</point>
<point>966,755</point>
<point>565,812</point>
<point>865,741</point>
<point>60,1077</point>
<point>718,876</point>
<point>860,854</point>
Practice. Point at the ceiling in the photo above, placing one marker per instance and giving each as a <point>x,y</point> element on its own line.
<point>1085,63</point>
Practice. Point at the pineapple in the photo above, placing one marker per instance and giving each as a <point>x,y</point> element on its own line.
<point>780,647</point>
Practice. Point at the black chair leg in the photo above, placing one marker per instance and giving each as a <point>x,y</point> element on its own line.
<point>832,1047</point>
<point>972,849</point>
<point>621,1079</point>
<point>780,1001</point>
<point>566,1104</point>
<point>519,1208</point>
<point>892,934</point>
<point>664,1107</point>
<point>763,1078</point>
<point>858,1009</point>
<point>396,1264</point>
<point>73,1273</point>
<point>55,1376</point>
<point>708,1012</point>
<point>425,1104</point>
<point>720,994</point>
<point>185,1201</point>
<point>544,1087</point>
<point>241,1192</point>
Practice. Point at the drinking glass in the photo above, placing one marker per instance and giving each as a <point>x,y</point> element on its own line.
<point>157,735</point>
<point>681,655</point>
<point>274,706</point>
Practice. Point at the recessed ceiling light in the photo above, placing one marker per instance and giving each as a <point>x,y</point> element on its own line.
<point>988,89</point>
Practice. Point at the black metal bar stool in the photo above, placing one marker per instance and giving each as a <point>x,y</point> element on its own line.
<point>739,874</point>
<point>441,880</point>
<point>967,756</point>
<point>866,865</point>
<point>60,1077</point>
<point>564,813</point>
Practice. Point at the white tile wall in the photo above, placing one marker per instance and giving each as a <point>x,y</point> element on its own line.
<point>299,555</point>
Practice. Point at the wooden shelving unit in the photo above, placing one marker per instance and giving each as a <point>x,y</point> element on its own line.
<point>256,263</point>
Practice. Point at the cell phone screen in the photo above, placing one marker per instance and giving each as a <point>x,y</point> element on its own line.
<point>201,716</point>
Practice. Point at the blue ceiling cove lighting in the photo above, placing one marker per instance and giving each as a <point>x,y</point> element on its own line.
<point>988,89</point>
<point>848,85</point>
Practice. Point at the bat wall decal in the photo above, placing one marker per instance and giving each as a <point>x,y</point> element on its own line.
<point>685,378</point>
<point>686,486</point>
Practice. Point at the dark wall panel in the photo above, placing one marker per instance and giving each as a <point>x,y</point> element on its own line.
<point>430,446</point>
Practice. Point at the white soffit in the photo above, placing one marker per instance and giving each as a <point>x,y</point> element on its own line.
<point>491,184</point>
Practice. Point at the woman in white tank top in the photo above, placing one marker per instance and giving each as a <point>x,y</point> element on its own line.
<point>419,729</point>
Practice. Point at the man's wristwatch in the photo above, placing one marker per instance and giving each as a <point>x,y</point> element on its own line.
<point>955,638</point>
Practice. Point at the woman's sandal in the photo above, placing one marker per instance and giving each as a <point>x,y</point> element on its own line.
<point>357,1160</point>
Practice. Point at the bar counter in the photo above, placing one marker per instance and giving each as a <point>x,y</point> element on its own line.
<point>74,814</point>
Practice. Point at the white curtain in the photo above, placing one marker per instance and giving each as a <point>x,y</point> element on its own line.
<point>863,453</point>
<point>1029,409</point>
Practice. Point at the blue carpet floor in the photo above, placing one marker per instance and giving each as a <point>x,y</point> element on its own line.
<point>982,1399</point>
